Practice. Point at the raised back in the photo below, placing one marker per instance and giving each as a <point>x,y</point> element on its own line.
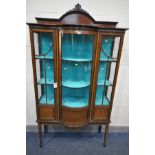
<point>76,16</point>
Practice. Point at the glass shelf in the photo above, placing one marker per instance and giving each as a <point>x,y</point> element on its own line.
<point>75,84</point>
<point>82,102</point>
<point>75,102</point>
<point>98,101</point>
<point>101,82</point>
<point>82,84</point>
<point>105,58</point>
<point>76,59</point>
<point>48,81</point>
<point>50,100</point>
<point>47,56</point>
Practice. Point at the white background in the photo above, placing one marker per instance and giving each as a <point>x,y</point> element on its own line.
<point>111,10</point>
<point>13,77</point>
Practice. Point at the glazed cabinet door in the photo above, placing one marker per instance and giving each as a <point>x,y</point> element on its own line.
<point>76,58</point>
<point>43,44</point>
<point>109,50</point>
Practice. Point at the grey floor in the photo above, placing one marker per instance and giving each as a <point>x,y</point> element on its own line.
<point>77,143</point>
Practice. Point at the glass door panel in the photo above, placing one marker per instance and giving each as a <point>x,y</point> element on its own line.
<point>108,59</point>
<point>44,58</point>
<point>77,55</point>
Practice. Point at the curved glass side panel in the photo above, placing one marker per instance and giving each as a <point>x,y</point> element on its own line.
<point>77,53</point>
<point>44,52</point>
<point>103,82</point>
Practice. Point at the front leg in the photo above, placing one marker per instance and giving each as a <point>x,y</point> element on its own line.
<point>40,135</point>
<point>45,128</point>
<point>106,134</point>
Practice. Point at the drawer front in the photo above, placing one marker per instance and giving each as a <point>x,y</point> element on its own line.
<point>101,113</point>
<point>74,117</point>
<point>46,113</point>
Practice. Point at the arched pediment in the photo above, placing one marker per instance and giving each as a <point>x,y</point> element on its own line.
<point>76,16</point>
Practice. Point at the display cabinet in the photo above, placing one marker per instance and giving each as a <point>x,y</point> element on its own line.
<point>75,63</point>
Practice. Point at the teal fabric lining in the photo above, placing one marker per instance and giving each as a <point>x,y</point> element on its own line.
<point>42,100</point>
<point>76,71</point>
<point>99,94</point>
<point>73,97</point>
<point>75,102</point>
<point>45,44</point>
<point>107,44</point>
<point>98,101</point>
<point>76,46</point>
<point>77,52</point>
<point>49,91</point>
<point>47,69</point>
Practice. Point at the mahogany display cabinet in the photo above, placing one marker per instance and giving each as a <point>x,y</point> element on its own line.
<point>75,63</point>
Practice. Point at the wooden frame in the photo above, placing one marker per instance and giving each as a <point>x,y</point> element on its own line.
<point>56,105</point>
<point>75,21</point>
<point>121,35</point>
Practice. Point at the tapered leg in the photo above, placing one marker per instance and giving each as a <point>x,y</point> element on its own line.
<point>99,129</point>
<point>45,128</point>
<point>40,135</point>
<point>106,134</point>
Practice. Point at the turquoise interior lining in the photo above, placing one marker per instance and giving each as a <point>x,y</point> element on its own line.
<point>75,102</point>
<point>77,52</point>
<point>73,97</point>
<point>75,46</point>
<point>47,68</point>
<point>47,72</point>
<point>107,45</point>
<point>42,100</point>
<point>77,55</point>
<point>45,44</point>
<point>98,101</point>
<point>49,91</point>
<point>79,72</point>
